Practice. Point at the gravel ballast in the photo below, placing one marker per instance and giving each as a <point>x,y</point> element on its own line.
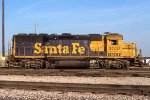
<point>7,94</point>
<point>75,79</point>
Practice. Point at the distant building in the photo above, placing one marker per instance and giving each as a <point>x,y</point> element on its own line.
<point>146,60</point>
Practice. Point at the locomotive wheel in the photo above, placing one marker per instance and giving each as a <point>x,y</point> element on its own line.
<point>126,64</point>
<point>38,66</point>
<point>27,64</point>
<point>119,66</point>
<point>107,66</point>
<point>22,64</point>
<point>101,65</point>
<point>47,65</point>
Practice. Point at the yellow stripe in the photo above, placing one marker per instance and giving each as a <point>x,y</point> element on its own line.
<point>69,57</point>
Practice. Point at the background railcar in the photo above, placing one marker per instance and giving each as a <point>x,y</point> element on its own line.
<point>66,50</point>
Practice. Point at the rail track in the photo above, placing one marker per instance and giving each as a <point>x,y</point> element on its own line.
<point>69,87</point>
<point>132,72</point>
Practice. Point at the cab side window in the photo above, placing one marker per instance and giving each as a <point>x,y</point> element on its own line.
<point>114,42</point>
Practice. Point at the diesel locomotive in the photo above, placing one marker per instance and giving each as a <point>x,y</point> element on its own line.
<point>71,51</point>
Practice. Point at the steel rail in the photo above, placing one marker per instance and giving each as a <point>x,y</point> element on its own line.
<point>76,72</point>
<point>69,87</point>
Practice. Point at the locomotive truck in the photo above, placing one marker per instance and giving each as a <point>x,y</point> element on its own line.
<point>72,51</point>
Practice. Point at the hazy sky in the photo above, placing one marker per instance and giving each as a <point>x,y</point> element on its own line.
<point>131,18</point>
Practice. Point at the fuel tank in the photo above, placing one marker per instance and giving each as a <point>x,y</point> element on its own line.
<point>72,64</point>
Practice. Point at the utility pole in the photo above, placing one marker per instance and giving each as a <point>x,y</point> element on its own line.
<point>35,28</point>
<point>3,30</point>
<point>8,49</point>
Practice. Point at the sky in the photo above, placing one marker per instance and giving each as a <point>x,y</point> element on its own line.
<point>131,18</point>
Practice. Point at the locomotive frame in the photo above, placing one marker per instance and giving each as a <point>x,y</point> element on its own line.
<point>66,50</point>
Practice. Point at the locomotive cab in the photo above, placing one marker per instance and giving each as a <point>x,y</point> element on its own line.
<point>116,48</point>
<point>113,43</point>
